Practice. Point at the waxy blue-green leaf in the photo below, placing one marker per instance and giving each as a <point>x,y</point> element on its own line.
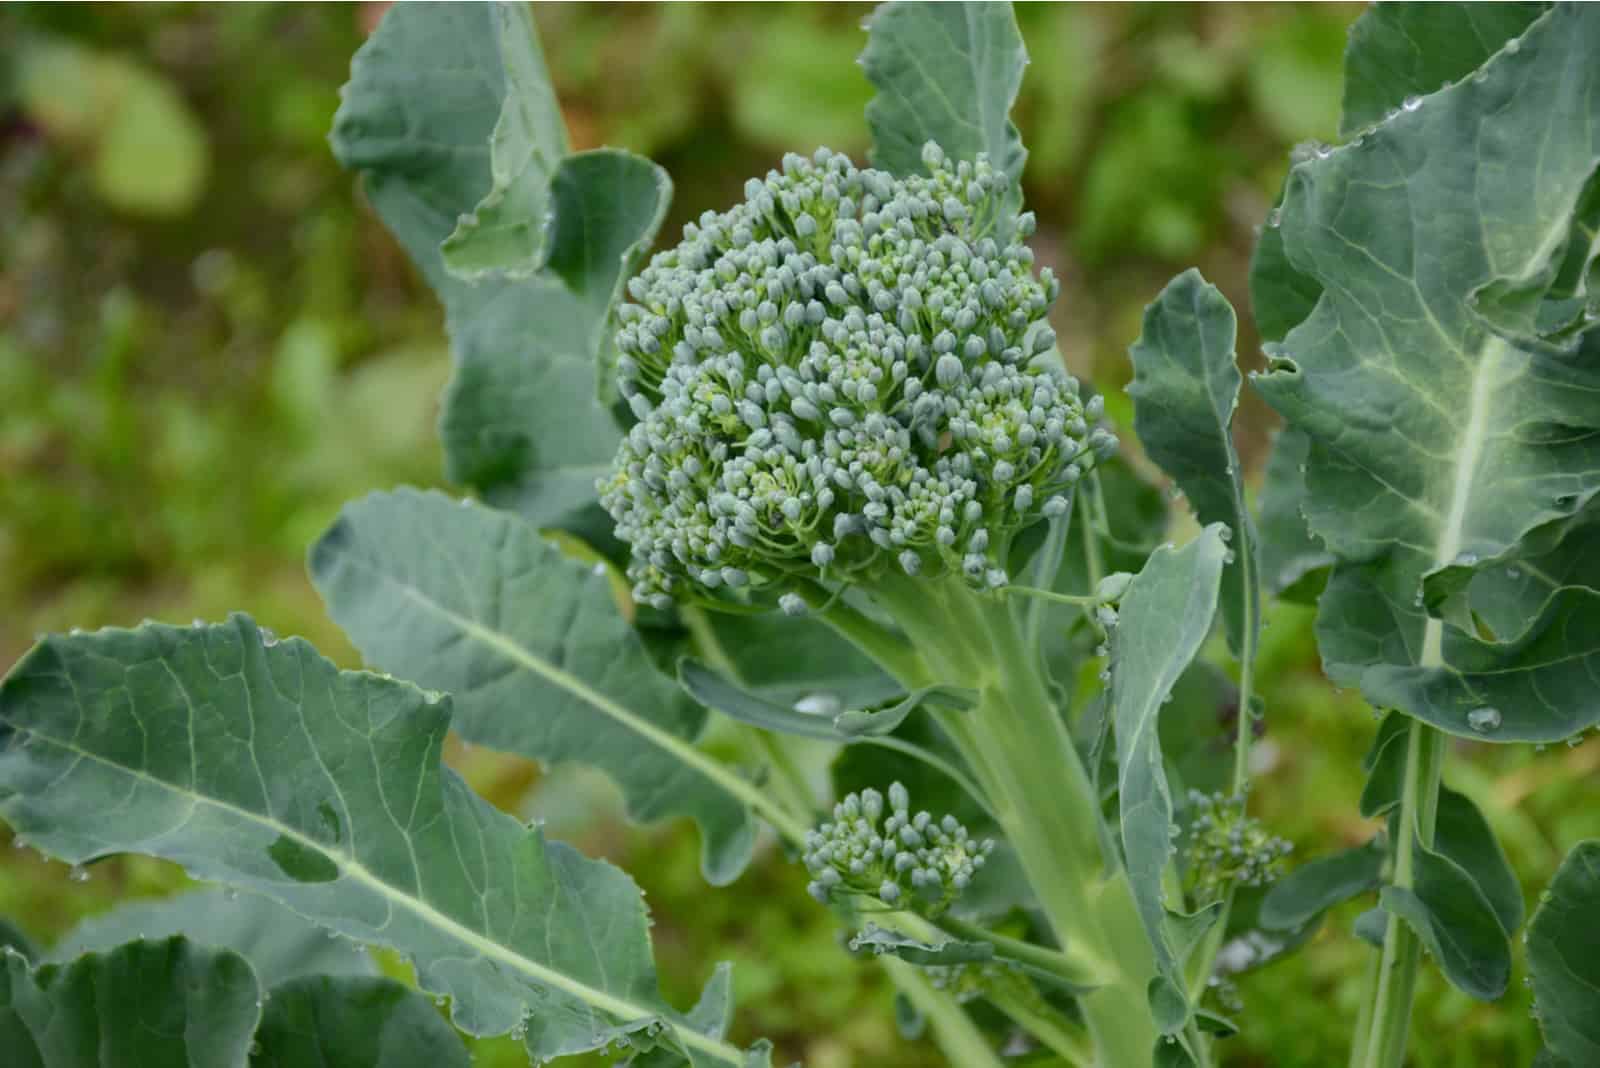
<point>256,763</point>
<point>1564,958</point>
<point>1290,557</point>
<point>792,658</point>
<point>505,233</point>
<point>1554,305</point>
<point>880,942</point>
<point>1164,618</point>
<point>1397,52</point>
<point>1463,834</point>
<point>1312,889</point>
<point>1451,916</point>
<point>1434,441</point>
<point>522,421</point>
<point>475,602</point>
<point>167,1004</point>
<point>946,73</point>
<point>714,691</point>
<point>279,944</point>
<point>352,1022</point>
<point>1400,51</point>
<point>1185,390</point>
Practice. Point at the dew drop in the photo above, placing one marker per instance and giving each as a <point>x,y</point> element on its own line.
<point>1513,573</point>
<point>20,842</point>
<point>1513,46</point>
<point>1274,217</point>
<point>1465,559</point>
<point>1412,103</point>
<point>230,894</point>
<point>1483,720</point>
<point>818,704</point>
<point>78,874</point>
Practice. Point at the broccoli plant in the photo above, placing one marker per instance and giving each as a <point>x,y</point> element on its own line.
<point>817,471</point>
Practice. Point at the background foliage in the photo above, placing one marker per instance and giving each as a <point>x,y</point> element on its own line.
<point>207,343</point>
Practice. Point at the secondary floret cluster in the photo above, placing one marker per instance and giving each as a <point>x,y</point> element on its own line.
<point>898,858</point>
<point>840,375</point>
<point>1228,848</point>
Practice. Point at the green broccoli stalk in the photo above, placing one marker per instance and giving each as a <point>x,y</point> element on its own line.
<point>847,384</point>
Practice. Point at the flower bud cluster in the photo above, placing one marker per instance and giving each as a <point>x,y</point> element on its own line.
<point>1228,848</point>
<point>901,859</point>
<point>842,374</point>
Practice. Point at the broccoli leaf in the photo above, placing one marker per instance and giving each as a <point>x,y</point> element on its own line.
<point>1291,558</point>
<point>1432,440</point>
<point>714,691</point>
<point>279,944</point>
<point>1400,50</point>
<point>1165,616</point>
<point>256,763</point>
<point>475,602</point>
<point>1396,51</point>
<point>522,420</point>
<point>946,73</point>
<point>152,1004</point>
<point>353,1022</point>
<point>1185,390</point>
<point>1312,889</point>
<point>505,233</point>
<point>1456,922</point>
<point>1564,958</point>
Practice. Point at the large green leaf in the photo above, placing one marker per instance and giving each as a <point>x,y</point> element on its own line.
<point>522,421</point>
<point>352,1022</point>
<point>1564,958</point>
<point>279,944</point>
<point>505,233</point>
<point>946,73</point>
<point>1165,617</point>
<point>475,602</point>
<point>1434,441</point>
<point>1398,51</point>
<point>257,763</point>
<point>165,1004</point>
<point>1185,390</point>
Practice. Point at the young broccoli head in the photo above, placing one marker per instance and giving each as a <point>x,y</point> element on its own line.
<point>838,376</point>
<point>890,855</point>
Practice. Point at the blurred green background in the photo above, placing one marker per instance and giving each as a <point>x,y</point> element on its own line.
<point>208,343</point>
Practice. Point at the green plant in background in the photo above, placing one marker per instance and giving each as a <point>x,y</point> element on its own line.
<point>870,521</point>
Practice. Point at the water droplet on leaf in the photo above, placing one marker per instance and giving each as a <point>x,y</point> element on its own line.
<point>1483,720</point>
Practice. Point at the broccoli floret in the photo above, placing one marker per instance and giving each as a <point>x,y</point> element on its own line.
<point>1228,848</point>
<point>900,859</point>
<point>838,376</point>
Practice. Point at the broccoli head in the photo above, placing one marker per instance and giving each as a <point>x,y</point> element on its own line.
<point>848,372</point>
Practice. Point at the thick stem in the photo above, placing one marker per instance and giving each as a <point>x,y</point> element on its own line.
<point>1402,951</point>
<point>1022,756</point>
<point>1055,1032</point>
<point>953,1029</point>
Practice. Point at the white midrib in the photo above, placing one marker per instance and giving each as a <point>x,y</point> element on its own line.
<point>621,1008</point>
<point>681,750</point>
<point>1469,451</point>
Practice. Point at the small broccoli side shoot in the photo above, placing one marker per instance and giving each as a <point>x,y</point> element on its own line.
<point>840,376</point>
